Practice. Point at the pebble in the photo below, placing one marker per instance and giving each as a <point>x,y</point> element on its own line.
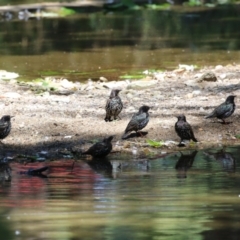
<point>11,95</point>
<point>137,85</point>
<point>196,92</point>
<point>103,79</point>
<point>219,67</point>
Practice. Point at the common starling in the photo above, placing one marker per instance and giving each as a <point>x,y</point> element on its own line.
<point>224,110</point>
<point>139,121</point>
<point>113,106</point>
<point>184,129</point>
<point>5,126</point>
<point>100,149</point>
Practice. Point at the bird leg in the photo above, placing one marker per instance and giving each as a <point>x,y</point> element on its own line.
<point>224,122</point>
<point>181,144</point>
<point>138,132</point>
<point>73,165</point>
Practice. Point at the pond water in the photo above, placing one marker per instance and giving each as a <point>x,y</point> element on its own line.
<point>115,44</point>
<point>188,195</point>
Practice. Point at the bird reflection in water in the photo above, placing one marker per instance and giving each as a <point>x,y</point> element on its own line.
<point>225,158</point>
<point>184,163</point>
<point>35,172</point>
<point>103,167</point>
<point>5,172</point>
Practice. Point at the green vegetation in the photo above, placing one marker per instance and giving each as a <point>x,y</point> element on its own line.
<point>154,144</point>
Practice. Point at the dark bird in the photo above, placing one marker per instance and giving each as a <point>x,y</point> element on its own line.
<point>139,121</point>
<point>184,129</point>
<point>100,149</point>
<point>224,110</point>
<point>113,106</point>
<point>5,126</point>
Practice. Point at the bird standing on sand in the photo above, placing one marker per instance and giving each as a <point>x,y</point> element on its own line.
<point>184,129</point>
<point>113,106</point>
<point>100,149</point>
<point>5,126</point>
<point>139,121</point>
<point>224,110</point>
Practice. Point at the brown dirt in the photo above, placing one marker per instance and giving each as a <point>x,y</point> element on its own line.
<point>54,123</point>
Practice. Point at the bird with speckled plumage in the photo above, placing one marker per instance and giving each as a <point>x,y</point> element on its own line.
<point>100,149</point>
<point>224,110</point>
<point>113,106</point>
<point>184,129</point>
<point>138,121</point>
<point>5,126</point>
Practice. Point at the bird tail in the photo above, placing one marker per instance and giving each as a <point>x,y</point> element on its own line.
<point>209,116</point>
<point>194,139</point>
<point>124,136</point>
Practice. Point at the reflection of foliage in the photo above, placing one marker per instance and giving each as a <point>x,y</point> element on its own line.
<point>142,30</point>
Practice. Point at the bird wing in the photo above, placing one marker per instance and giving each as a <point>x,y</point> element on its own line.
<point>108,104</point>
<point>223,109</point>
<point>3,125</point>
<point>136,123</point>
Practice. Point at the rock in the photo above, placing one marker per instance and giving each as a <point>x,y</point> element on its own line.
<point>5,75</point>
<point>189,95</point>
<point>208,76</point>
<point>11,95</point>
<point>114,84</point>
<point>191,83</point>
<point>138,85</point>
<point>67,84</point>
<point>103,79</point>
<point>196,92</point>
<point>218,67</point>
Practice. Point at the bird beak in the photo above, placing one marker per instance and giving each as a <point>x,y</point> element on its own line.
<point>12,116</point>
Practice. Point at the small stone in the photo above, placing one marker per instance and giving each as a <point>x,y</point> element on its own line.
<point>67,84</point>
<point>67,136</point>
<point>219,67</point>
<point>189,95</point>
<point>142,84</point>
<point>201,110</point>
<point>196,92</point>
<point>208,76</point>
<point>126,145</point>
<point>223,76</point>
<point>103,79</point>
<point>11,95</point>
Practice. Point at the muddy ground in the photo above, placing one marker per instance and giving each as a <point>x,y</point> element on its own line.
<point>55,123</point>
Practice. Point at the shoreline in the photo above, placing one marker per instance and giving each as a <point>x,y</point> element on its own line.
<point>54,123</point>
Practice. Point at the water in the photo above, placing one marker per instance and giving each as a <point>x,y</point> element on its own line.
<point>116,44</point>
<point>189,196</point>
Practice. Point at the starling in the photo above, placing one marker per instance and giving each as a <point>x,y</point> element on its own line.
<point>184,129</point>
<point>5,126</point>
<point>100,149</point>
<point>139,121</point>
<point>224,110</point>
<point>113,106</point>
